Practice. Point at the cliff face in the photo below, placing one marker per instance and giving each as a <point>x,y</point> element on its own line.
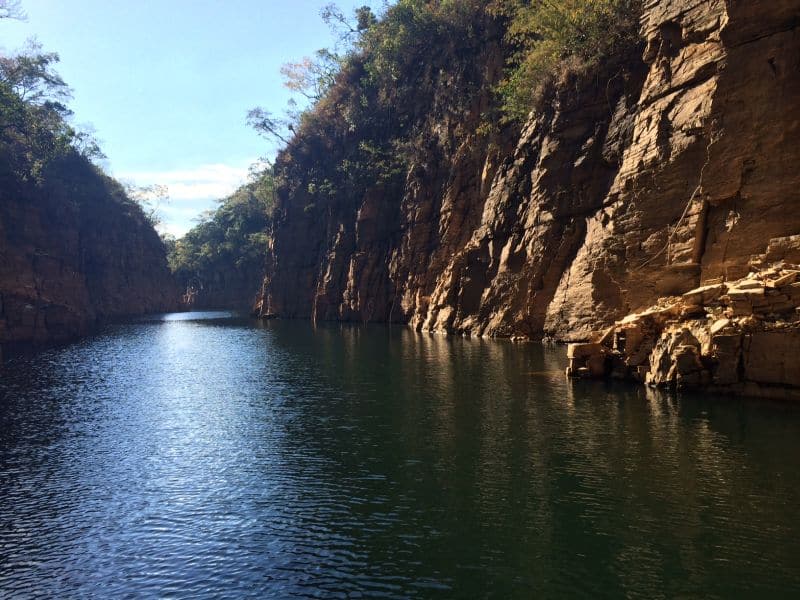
<point>674,165</point>
<point>75,251</point>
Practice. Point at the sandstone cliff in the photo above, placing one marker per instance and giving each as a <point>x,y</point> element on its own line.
<point>74,251</point>
<point>672,165</point>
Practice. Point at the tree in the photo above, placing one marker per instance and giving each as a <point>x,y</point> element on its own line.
<point>150,198</point>
<point>87,144</point>
<point>312,77</point>
<point>348,29</point>
<point>268,126</point>
<point>365,18</point>
<point>11,9</point>
<point>231,241</point>
<point>553,35</point>
<point>32,77</point>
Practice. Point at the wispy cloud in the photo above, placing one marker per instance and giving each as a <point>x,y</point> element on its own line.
<point>192,191</point>
<point>202,182</point>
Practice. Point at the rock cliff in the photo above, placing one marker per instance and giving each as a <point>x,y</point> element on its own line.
<point>74,251</point>
<point>670,165</point>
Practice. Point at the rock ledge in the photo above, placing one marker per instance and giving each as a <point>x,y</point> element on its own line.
<point>738,337</point>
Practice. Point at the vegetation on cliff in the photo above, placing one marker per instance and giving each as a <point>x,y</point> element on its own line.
<point>76,247</point>
<point>370,105</point>
<point>550,38</point>
<point>396,96</point>
<point>41,152</point>
<point>388,60</point>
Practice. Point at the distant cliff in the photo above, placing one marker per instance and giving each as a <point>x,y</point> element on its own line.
<point>74,248</point>
<point>670,163</point>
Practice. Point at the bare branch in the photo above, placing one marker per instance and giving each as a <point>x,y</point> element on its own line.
<point>268,126</point>
<point>12,9</point>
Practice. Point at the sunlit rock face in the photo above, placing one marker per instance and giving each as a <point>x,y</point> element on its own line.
<point>738,336</point>
<point>69,260</point>
<point>674,165</point>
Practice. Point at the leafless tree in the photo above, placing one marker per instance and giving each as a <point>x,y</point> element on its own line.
<point>12,9</point>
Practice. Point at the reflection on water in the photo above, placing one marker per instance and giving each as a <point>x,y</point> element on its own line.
<point>203,454</point>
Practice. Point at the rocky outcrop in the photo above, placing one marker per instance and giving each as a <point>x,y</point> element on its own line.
<point>671,166</point>
<point>739,336</point>
<point>75,252</point>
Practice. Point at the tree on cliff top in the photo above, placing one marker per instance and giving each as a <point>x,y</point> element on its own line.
<point>32,76</point>
<point>558,36</point>
<point>232,237</point>
<point>362,123</point>
<point>34,117</point>
<point>312,77</point>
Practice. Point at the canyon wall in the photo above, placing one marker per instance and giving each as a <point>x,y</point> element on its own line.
<point>74,251</point>
<point>672,164</point>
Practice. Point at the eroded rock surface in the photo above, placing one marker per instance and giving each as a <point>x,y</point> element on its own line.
<point>739,336</point>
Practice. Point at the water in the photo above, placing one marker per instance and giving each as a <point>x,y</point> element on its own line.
<point>207,455</point>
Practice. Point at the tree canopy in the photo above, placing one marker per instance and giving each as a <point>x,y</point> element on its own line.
<point>11,9</point>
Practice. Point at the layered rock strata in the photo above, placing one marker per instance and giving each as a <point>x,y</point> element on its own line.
<point>739,336</point>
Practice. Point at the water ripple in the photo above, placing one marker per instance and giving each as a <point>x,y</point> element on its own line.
<point>204,455</point>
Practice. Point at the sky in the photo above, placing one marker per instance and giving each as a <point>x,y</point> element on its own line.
<point>166,84</point>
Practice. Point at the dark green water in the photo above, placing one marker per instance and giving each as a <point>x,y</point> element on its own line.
<point>204,455</point>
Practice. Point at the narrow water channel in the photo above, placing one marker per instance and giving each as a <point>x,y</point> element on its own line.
<point>204,454</point>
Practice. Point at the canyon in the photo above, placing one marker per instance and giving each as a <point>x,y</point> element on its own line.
<point>666,168</point>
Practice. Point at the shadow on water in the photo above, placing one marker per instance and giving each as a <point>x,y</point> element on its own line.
<point>207,453</point>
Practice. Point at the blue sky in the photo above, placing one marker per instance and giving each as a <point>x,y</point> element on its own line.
<point>167,83</point>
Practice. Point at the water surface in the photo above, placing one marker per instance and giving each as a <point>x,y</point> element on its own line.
<point>207,455</point>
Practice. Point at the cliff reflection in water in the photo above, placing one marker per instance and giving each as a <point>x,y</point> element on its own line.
<point>196,455</point>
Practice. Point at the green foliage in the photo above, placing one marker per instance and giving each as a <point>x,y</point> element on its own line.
<point>233,237</point>
<point>365,18</point>
<point>411,31</point>
<point>559,35</point>
<point>34,121</point>
<point>370,106</point>
<point>43,158</point>
<point>367,121</point>
<point>32,77</point>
